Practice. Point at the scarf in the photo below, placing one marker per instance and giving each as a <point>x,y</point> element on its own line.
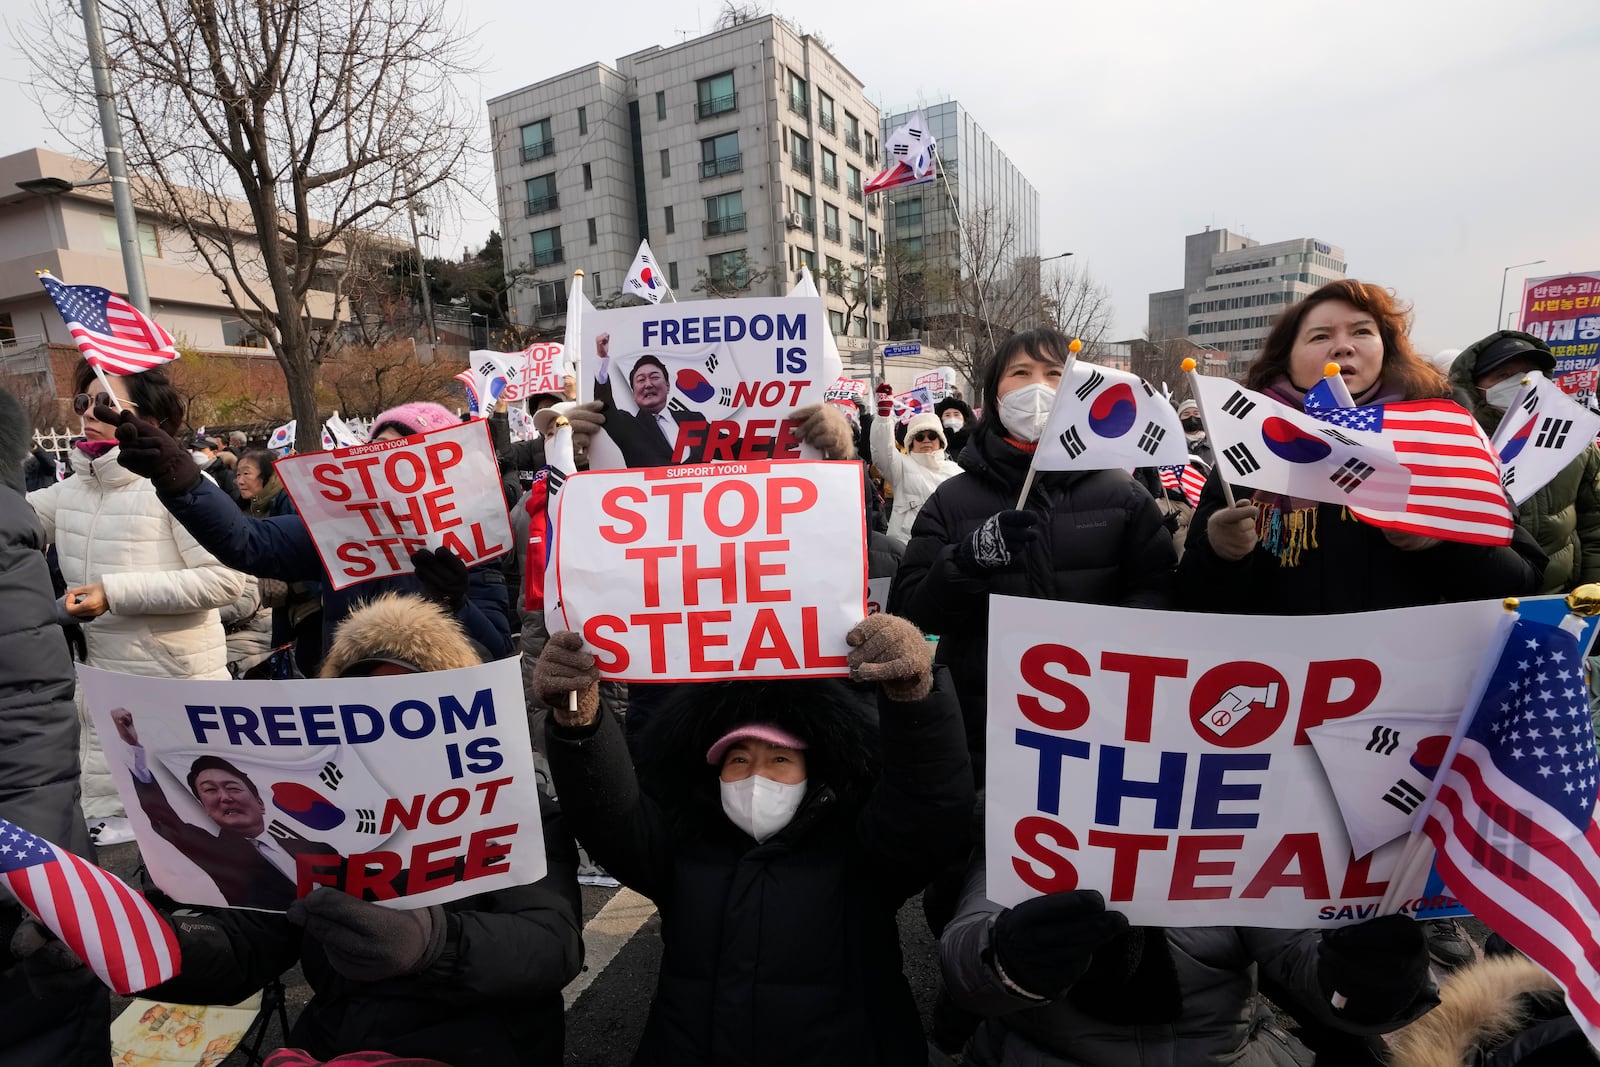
<point>261,504</point>
<point>95,449</point>
<point>1287,525</point>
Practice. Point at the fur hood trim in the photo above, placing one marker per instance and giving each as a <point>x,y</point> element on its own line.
<point>1479,1006</point>
<point>403,627</point>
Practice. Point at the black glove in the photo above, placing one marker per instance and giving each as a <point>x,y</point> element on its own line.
<point>999,543</point>
<point>150,452</point>
<point>443,576</point>
<point>1045,944</point>
<point>1379,967</point>
<point>370,943</point>
<point>49,966</point>
<point>1170,521</point>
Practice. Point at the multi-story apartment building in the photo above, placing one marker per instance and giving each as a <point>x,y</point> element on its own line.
<point>739,155</point>
<point>1234,287</point>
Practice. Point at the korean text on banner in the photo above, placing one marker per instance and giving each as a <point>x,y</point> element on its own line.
<point>1181,781</point>
<point>1564,311</point>
<point>936,381</point>
<point>746,570</point>
<point>370,506</point>
<point>846,389</point>
<point>710,381</point>
<point>408,790</point>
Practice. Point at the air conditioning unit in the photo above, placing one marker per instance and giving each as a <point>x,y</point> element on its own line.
<point>796,220</point>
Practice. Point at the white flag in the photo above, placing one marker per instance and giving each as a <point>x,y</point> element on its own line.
<point>644,280</point>
<point>572,342</point>
<point>1542,432</point>
<point>343,435</point>
<point>1105,419</point>
<point>1266,445</point>
<point>807,285</point>
<point>1380,768</point>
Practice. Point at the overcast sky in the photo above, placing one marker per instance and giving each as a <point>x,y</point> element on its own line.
<point>1436,141</point>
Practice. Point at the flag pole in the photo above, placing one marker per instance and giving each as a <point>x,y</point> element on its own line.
<point>1341,392</point>
<point>1501,432</point>
<point>94,365</point>
<point>1189,367</point>
<point>1073,349</point>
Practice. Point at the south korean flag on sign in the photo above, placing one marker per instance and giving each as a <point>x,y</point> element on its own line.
<point>1266,445</point>
<point>1106,419</point>
<point>1380,768</point>
<point>1542,432</point>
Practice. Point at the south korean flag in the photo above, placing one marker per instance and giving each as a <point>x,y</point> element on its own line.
<point>1266,445</point>
<point>1106,419</point>
<point>1542,432</point>
<point>1380,768</point>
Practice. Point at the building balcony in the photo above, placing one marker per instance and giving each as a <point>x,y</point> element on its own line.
<point>801,221</point>
<point>827,122</point>
<point>724,225</point>
<point>713,168</point>
<point>800,165</point>
<point>538,150</point>
<point>545,257</point>
<point>831,233</point>
<point>857,244</point>
<point>717,105</point>
<point>852,141</point>
<point>830,179</point>
<point>800,106</point>
<point>872,207</point>
<point>538,205</point>
<point>854,193</point>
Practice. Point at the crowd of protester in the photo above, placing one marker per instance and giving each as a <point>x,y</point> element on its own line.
<point>777,826</point>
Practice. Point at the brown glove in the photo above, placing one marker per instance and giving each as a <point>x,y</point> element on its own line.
<point>563,668</point>
<point>1232,531</point>
<point>586,420</point>
<point>888,649</point>
<point>823,427</point>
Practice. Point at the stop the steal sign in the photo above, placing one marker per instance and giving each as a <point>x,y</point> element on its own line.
<point>737,570</point>
<point>370,506</point>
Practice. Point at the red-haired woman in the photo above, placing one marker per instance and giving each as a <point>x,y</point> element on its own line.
<point>1276,555</point>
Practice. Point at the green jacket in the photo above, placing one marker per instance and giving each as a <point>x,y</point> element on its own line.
<point>1564,516</point>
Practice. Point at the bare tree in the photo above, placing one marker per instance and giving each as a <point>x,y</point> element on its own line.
<point>1076,304</point>
<point>270,134</point>
<point>367,380</point>
<point>1161,362</point>
<point>737,14</point>
<point>735,280</point>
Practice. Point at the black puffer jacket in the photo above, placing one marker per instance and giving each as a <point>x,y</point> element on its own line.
<point>1101,542</point>
<point>493,999</point>
<point>784,952</point>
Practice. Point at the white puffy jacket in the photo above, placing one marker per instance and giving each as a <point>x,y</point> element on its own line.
<point>162,589</point>
<point>914,477</point>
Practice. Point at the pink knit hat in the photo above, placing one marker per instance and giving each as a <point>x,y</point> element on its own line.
<point>414,418</point>
<point>754,731</point>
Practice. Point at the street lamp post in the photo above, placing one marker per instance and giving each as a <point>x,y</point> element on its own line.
<point>116,163</point>
<point>1501,307</point>
<point>1040,280</point>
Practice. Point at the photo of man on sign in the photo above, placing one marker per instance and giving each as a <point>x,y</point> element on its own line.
<point>649,436</point>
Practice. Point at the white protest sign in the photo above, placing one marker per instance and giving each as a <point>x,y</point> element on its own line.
<point>708,381</point>
<point>698,573</point>
<point>846,389</point>
<point>408,790</point>
<point>935,381</point>
<point>878,595</point>
<point>1177,776</point>
<point>913,402</point>
<point>536,369</point>
<point>370,506</point>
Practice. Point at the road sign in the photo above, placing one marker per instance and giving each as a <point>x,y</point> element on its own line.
<point>903,348</point>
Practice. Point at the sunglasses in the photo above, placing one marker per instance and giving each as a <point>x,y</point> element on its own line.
<point>925,435</point>
<point>84,401</point>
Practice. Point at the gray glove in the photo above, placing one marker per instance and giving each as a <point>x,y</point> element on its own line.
<point>1232,531</point>
<point>565,668</point>
<point>823,427</point>
<point>51,968</point>
<point>586,420</point>
<point>369,943</point>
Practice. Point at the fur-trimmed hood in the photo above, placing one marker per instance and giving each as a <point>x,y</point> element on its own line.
<point>837,721</point>
<point>403,627</point>
<point>1481,1007</point>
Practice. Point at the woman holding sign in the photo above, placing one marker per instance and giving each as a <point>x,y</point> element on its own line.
<point>778,828</point>
<point>1089,536</point>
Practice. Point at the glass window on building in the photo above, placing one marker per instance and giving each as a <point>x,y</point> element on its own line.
<point>583,121</point>
<point>540,194</point>
<point>913,245</point>
<point>724,214</point>
<point>661,106</point>
<point>800,153</point>
<point>672,274</point>
<point>858,236</point>
<point>852,132</point>
<point>858,326</point>
<point>552,298</point>
<point>729,270</point>
<point>666,164</point>
<point>594,233</point>
<point>720,155</point>
<point>236,333</point>
<point>830,169</point>
<point>536,141</point>
<point>149,244</point>
<point>805,206</point>
<point>672,225</point>
<point>836,323</point>
<point>908,212</point>
<point>830,223</point>
<point>547,246</point>
<point>825,111</point>
<point>715,95</point>
<point>852,182</point>
<point>799,94</point>
<point>588,177</point>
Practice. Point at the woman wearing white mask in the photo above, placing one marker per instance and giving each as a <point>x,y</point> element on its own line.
<point>1089,536</point>
<point>778,827</point>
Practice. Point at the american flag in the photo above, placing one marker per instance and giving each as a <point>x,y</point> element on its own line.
<point>106,924</point>
<point>1188,478</point>
<point>110,332</point>
<point>1455,492</point>
<point>466,378</point>
<point>1513,821</point>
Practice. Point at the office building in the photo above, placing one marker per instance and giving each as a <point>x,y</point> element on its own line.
<point>1235,287</point>
<point>998,211</point>
<point>739,155</point>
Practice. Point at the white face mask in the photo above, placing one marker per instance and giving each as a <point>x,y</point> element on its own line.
<point>953,424</point>
<point>1501,394</point>
<point>759,806</point>
<point>201,458</point>
<point>1024,411</point>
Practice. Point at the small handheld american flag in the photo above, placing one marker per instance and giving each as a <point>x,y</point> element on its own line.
<point>112,334</point>
<point>105,923</point>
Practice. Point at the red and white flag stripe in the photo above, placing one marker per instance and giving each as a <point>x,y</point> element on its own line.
<point>1455,478</point>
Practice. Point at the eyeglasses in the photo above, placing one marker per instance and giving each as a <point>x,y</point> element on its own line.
<point>925,435</point>
<point>83,402</point>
